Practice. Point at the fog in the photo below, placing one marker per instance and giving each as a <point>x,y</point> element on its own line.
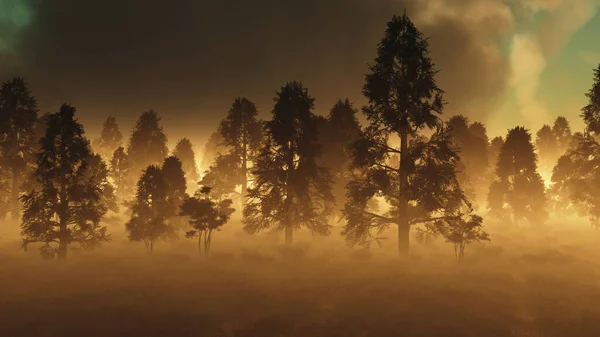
<point>538,281</point>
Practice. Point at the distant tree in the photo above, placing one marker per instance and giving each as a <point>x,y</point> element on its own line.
<point>18,116</point>
<point>494,151</point>
<point>518,189</point>
<point>110,138</point>
<point>460,231</point>
<point>72,198</point>
<point>148,222</point>
<point>98,172</point>
<point>120,174</point>
<point>242,135</point>
<point>576,175</point>
<point>214,146</point>
<point>291,191</point>
<point>591,112</point>
<point>403,99</point>
<point>148,143</point>
<point>337,132</point>
<point>206,215</point>
<point>223,177</point>
<point>185,153</point>
<point>175,187</point>
<point>471,141</point>
<point>562,131</point>
<point>547,146</point>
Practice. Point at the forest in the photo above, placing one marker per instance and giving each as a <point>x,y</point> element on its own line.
<point>372,220</point>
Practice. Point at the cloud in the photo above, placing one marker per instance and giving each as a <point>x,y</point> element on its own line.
<point>529,52</point>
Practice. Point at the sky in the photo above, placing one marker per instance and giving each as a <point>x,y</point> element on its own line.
<point>504,63</point>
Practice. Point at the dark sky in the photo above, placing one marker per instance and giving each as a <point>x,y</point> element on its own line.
<point>189,59</point>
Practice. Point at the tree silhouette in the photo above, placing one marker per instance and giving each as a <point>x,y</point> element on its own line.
<point>148,222</point>
<point>403,99</point>
<point>18,116</point>
<point>175,187</point>
<point>223,177</point>
<point>206,215</point>
<point>562,131</point>
<point>291,189</point>
<point>242,135</point>
<point>120,173</point>
<point>591,112</point>
<point>212,148</point>
<point>148,143</point>
<point>547,146</point>
<point>185,153</point>
<point>337,132</point>
<point>575,176</point>
<point>471,141</point>
<point>110,138</point>
<point>518,189</point>
<point>460,231</point>
<point>494,151</point>
<point>72,198</point>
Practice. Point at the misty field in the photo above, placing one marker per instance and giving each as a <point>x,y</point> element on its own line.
<point>523,283</point>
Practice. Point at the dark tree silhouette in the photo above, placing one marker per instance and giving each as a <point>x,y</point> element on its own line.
<point>148,143</point>
<point>460,231</point>
<point>403,99</point>
<point>110,138</point>
<point>120,174</point>
<point>242,135</point>
<point>518,189</point>
<point>223,177</point>
<point>175,187</point>
<point>547,147</point>
<point>494,151</point>
<point>206,215</point>
<point>72,198</point>
<point>18,116</point>
<point>471,141</point>
<point>562,131</point>
<point>337,132</point>
<point>591,112</point>
<point>185,153</point>
<point>148,222</point>
<point>291,190</point>
<point>576,175</point>
<point>214,146</point>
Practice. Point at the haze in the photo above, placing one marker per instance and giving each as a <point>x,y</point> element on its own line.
<point>314,168</point>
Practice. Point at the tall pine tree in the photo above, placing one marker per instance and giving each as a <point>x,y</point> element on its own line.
<point>18,117</point>
<point>73,191</point>
<point>185,153</point>
<point>403,100</point>
<point>291,190</point>
<point>148,143</point>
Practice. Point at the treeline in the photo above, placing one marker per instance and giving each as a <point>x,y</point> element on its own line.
<point>405,168</point>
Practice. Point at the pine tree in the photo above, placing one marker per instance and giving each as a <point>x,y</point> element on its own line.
<point>185,153</point>
<point>291,191</point>
<point>110,138</point>
<point>175,186</point>
<point>148,143</point>
<point>242,134</point>
<point>518,189</point>
<point>337,132</point>
<point>71,200</point>
<point>18,116</point>
<point>206,215</point>
<point>547,147</point>
<point>562,131</point>
<point>148,222</point>
<point>591,112</point>
<point>403,99</point>
<point>212,148</point>
<point>120,173</point>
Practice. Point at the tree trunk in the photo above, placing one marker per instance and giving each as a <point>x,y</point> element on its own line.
<point>207,241</point>
<point>200,243</point>
<point>62,248</point>
<point>16,183</point>
<point>403,224</point>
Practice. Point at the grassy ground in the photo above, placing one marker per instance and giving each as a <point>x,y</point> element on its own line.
<point>541,282</point>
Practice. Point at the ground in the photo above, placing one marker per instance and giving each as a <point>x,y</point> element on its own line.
<point>525,282</point>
